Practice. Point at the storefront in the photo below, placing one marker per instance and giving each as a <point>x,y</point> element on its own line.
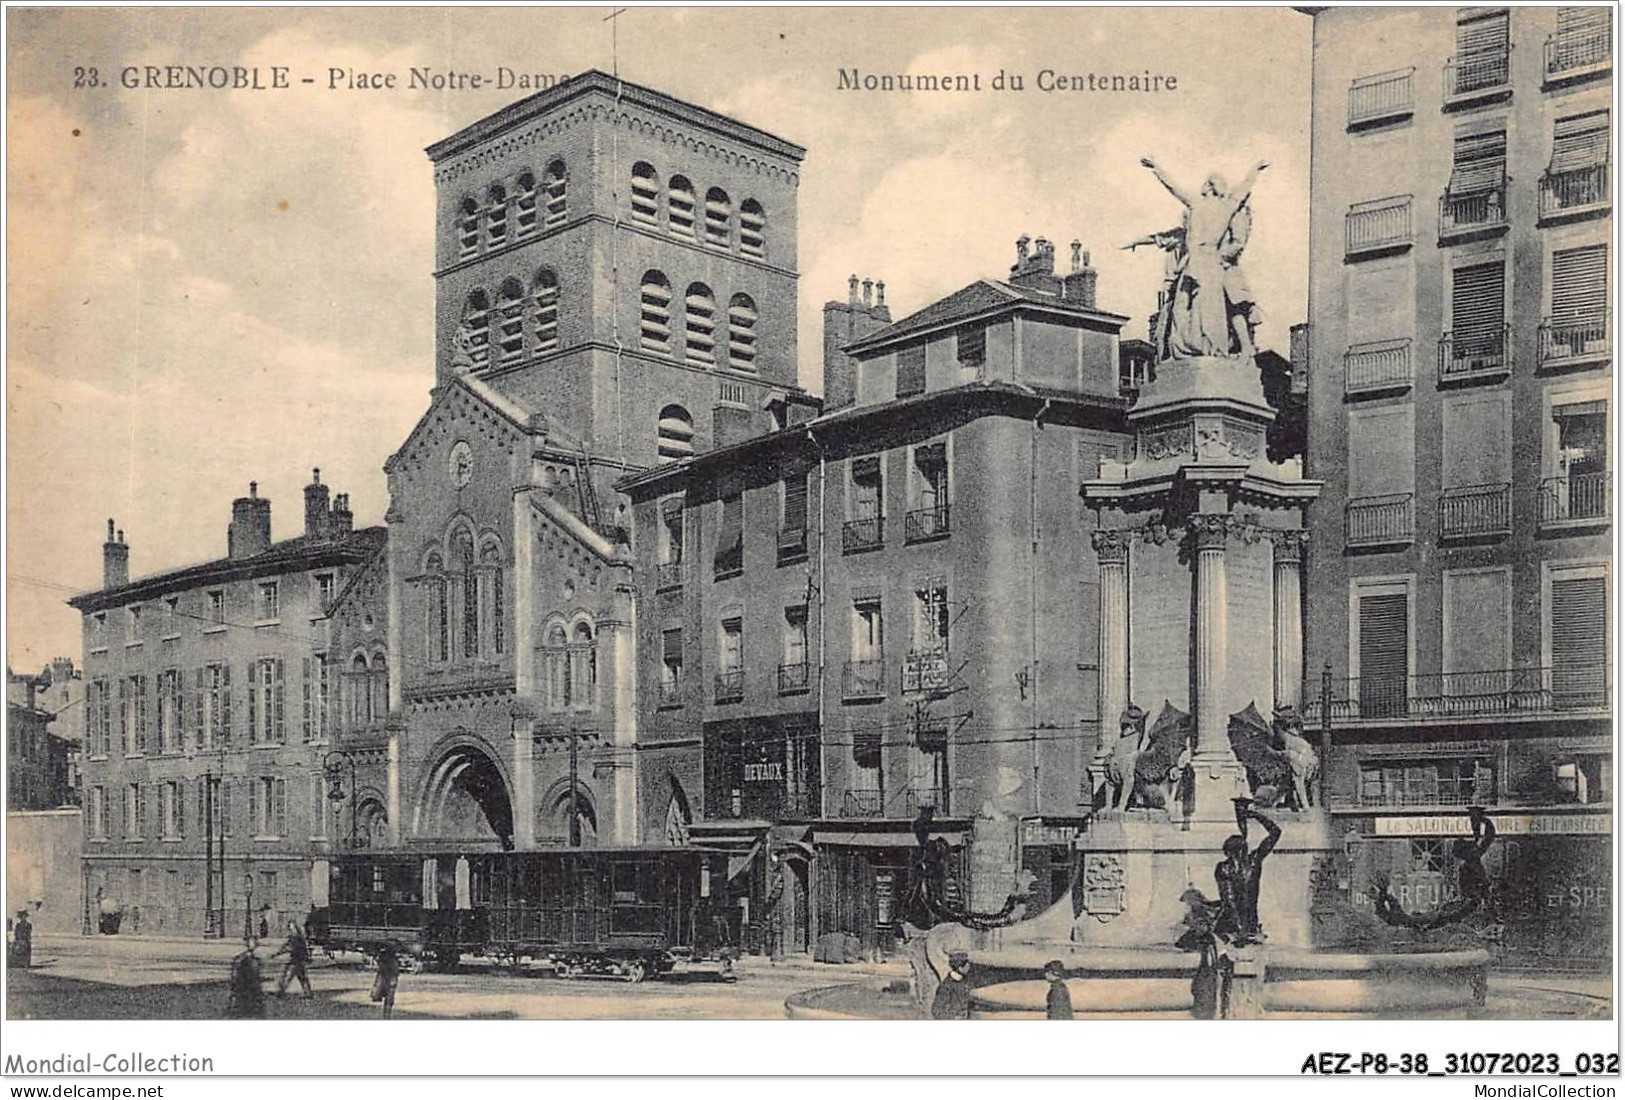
<point>864,878</point>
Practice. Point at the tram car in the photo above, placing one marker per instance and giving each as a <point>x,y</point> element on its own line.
<point>629,912</point>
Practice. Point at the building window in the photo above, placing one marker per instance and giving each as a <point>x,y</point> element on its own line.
<point>1577,632</point>
<point>793,668</point>
<point>133,715</point>
<point>970,347</point>
<point>1577,326</point>
<point>671,666</point>
<point>545,311</point>
<point>270,806</point>
<point>467,594</point>
<point>316,690</point>
<point>1453,781</point>
<point>742,333</point>
<point>645,194</point>
<point>752,229</point>
<point>510,323</point>
<point>99,718</point>
<point>1482,53</point>
<point>1383,649</point>
<point>931,617</point>
<point>718,215</point>
<point>700,330</point>
<point>496,217</point>
<point>655,331</point>
<point>132,626</point>
<point>1577,177</point>
<point>1582,42</point>
<point>793,519</point>
<point>864,528</point>
<point>554,185</point>
<point>475,330</point>
<point>212,701</point>
<point>730,554</point>
<point>730,686</point>
<point>326,589</point>
<point>172,617</point>
<point>265,694</point>
<point>676,433</point>
<point>437,618</point>
<point>1586,779</point>
<point>669,561</point>
<point>468,228</point>
<point>268,607</point>
<point>865,673</point>
<point>524,205</point>
<point>911,371</point>
<point>680,206</point>
<point>495,598</point>
<point>135,811</point>
<point>583,684</point>
<point>1476,344</point>
<point>98,813</point>
<point>1581,489</point>
<point>928,486</point>
<point>1476,195</point>
<point>217,607</point>
<point>170,709</point>
<point>172,809</point>
<point>98,631</point>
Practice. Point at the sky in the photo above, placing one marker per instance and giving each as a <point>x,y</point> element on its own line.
<point>211,287</point>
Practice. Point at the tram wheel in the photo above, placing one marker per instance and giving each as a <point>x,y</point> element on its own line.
<point>636,971</point>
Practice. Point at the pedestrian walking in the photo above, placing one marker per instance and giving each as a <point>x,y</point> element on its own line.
<point>247,994</point>
<point>952,1001</point>
<point>297,949</point>
<point>1058,1001</point>
<point>265,922</point>
<point>389,976</point>
<point>22,941</point>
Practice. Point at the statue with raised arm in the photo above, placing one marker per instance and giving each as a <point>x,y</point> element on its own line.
<point>1209,309</point>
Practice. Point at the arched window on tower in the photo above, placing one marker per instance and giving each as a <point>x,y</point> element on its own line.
<point>752,229</point>
<point>700,336</point>
<point>645,194</point>
<point>554,184</point>
<point>718,213</point>
<point>496,216</point>
<point>476,327</point>
<point>545,311</point>
<point>464,568</point>
<point>742,333</point>
<point>360,696</point>
<point>524,205</point>
<point>511,323</point>
<point>583,667</point>
<point>436,617</point>
<point>676,433</point>
<point>555,670</point>
<point>654,333</point>
<point>468,228</point>
<point>378,687</point>
<point>680,206</point>
<point>492,568</point>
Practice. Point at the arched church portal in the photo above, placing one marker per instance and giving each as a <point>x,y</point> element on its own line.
<point>466,799</point>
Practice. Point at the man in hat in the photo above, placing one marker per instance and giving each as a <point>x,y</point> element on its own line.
<point>1058,999</point>
<point>22,941</point>
<point>952,1001</point>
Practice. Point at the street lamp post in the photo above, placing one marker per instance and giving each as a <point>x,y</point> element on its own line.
<point>333,764</point>
<point>248,907</point>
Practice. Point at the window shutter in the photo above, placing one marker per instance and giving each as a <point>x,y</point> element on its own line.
<point>307,712</point>
<point>1384,655</point>
<point>1484,35</point>
<point>124,808</point>
<point>225,806</point>
<point>731,530</point>
<point>256,807</point>
<point>1580,142</point>
<point>671,647</point>
<point>281,822</point>
<point>180,808</point>
<point>1477,303</point>
<point>795,502</point>
<point>1579,622</point>
<point>1480,162</point>
<point>278,693</point>
<point>911,371</point>
<point>225,704</point>
<point>1580,283</point>
<point>123,717</point>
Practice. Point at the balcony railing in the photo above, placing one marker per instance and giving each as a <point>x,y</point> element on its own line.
<point>1380,225</point>
<point>1576,499</point>
<point>863,680</point>
<point>1575,52</point>
<point>794,679</point>
<point>1575,191</point>
<point>792,543</point>
<point>1388,520</point>
<point>730,686</point>
<point>925,524</point>
<point>1574,338</point>
<point>862,804</point>
<point>1446,793</point>
<point>1474,211</point>
<point>671,693</point>
<point>668,575</point>
<point>729,562</point>
<point>1475,75</point>
<point>1454,695</point>
<point>1377,367</point>
<point>1475,511</point>
<point>1384,97</point>
<point>916,799</point>
<point>863,534</point>
<point>1482,355</point>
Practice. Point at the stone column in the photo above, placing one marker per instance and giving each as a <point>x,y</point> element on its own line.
<point>1210,533</point>
<point>1289,618</point>
<point>393,782</point>
<point>522,764</point>
<point>1111,548</point>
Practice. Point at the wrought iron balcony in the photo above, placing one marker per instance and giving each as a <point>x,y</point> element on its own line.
<point>1472,212</point>
<point>862,804</point>
<point>1388,520</point>
<point>1574,339</point>
<point>1578,500</point>
<point>916,799</point>
<point>1486,355</point>
<point>863,680</point>
<point>1445,792</point>
<point>1378,367</point>
<point>858,535</point>
<point>926,524</point>
<point>730,686</point>
<point>1377,226</point>
<point>795,679</point>
<point>1574,192</point>
<point>1578,53</point>
<point>1384,97</point>
<point>1450,696</point>
<point>668,575</point>
<point>1483,74</point>
<point>1475,511</point>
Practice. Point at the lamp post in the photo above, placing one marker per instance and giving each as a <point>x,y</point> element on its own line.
<point>333,764</point>
<point>248,906</point>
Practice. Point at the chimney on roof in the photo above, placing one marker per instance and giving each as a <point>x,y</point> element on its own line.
<point>1035,270</point>
<point>868,293</point>
<point>880,296</point>
<point>341,522</point>
<point>1080,286</point>
<point>250,531</point>
<point>846,323</point>
<point>317,518</point>
<point>115,559</point>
